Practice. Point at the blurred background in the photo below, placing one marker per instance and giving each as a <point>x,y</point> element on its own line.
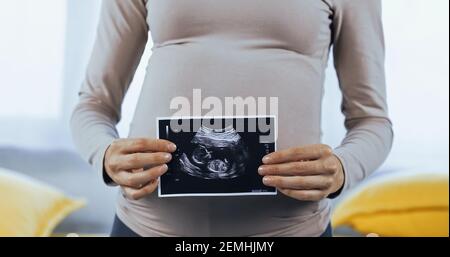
<point>45,46</point>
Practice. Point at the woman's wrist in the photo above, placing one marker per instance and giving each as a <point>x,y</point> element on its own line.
<point>341,180</point>
<point>106,178</point>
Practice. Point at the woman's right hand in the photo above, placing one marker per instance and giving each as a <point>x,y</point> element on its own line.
<point>137,164</point>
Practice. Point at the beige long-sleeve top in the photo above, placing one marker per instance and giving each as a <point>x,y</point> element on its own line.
<point>241,48</point>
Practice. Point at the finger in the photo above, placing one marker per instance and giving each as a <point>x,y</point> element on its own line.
<point>304,195</point>
<point>305,153</point>
<point>299,182</point>
<point>137,180</point>
<point>136,194</point>
<point>306,168</point>
<point>140,160</point>
<point>147,145</point>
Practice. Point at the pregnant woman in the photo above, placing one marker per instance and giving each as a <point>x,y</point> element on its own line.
<point>251,48</point>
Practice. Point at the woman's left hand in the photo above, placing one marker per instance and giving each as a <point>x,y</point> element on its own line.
<point>308,173</point>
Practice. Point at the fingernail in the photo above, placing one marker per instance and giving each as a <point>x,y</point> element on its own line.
<point>266,181</point>
<point>168,156</point>
<point>266,159</point>
<point>261,170</point>
<point>172,147</point>
<point>164,168</point>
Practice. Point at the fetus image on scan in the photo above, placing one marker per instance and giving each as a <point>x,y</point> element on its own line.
<point>215,157</point>
<point>215,154</point>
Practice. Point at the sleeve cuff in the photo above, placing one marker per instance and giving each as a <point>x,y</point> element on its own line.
<point>340,154</point>
<point>99,162</point>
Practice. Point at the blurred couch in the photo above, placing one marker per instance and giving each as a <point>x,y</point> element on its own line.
<point>66,171</point>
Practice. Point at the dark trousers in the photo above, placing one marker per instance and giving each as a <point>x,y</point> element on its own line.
<point>121,230</point>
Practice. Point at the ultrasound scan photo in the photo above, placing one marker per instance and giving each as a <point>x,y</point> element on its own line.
<point>217,156</point>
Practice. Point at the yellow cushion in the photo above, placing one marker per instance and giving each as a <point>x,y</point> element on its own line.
<point>398,205</point>
<point>30,208</point>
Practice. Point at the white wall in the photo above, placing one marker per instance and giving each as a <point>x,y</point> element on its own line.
<point>417,33</point>
<point>31,48</point>
<point>44,48</point>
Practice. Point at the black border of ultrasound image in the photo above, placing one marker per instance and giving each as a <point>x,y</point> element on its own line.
<point>248,184</point>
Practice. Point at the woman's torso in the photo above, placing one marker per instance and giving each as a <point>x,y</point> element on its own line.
<point>234,48</point>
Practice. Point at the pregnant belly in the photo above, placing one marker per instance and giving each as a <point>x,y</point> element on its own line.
<point>256,76</point>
